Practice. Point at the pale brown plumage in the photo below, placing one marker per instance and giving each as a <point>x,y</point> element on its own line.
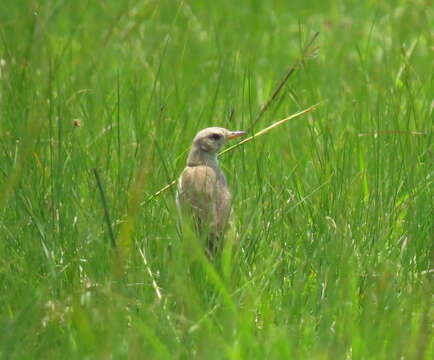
<point>202,187</point>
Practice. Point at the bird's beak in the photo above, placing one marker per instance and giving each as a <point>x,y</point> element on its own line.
<point>235,134</point>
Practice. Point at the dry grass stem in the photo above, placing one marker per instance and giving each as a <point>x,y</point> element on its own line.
<point>307,52</point>
<point>271,127</point>
<point>250,138</point>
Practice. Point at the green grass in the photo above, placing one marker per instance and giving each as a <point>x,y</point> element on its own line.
<point>333,211</point>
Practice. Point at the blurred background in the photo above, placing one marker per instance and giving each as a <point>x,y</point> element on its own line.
<point>333,210</point>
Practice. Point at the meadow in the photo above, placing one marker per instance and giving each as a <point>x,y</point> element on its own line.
<point>331,252</point>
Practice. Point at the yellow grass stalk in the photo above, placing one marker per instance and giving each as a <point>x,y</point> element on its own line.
<point>250,138</point>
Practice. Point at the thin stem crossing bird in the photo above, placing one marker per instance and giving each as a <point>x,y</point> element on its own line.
<point>203,191</point>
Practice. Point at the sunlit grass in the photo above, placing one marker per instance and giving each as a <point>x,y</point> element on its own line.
<point>332,239</point>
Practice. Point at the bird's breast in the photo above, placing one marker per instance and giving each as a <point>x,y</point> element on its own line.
<point>205,190</point>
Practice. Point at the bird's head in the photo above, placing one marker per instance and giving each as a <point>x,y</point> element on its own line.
<point>210,140</point>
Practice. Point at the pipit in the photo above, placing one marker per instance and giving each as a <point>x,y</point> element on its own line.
<point>203,191</point>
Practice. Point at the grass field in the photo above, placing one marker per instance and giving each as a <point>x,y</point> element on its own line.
<point>331,256</point>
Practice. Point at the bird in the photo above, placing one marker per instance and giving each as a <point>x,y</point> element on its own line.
<point>203,191</point>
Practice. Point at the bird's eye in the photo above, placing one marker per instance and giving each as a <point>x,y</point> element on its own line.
<point>215,136</point>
